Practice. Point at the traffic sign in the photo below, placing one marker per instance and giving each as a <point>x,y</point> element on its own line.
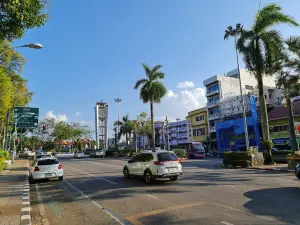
<point>26,117</point>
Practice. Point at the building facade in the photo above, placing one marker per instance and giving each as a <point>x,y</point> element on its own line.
<point>198,125</point>
<point>222,88</point>
<point>179,133</point>
<point>101,125</point>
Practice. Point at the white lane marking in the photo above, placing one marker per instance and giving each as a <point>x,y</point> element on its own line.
<point>92,175</point>
<point>26,209</point>
<point>95,203</point>
<point>158,199</point>
<point>226,223</point>
<point>25,217</point>
<point>227,185</point>
<point>41,206</point>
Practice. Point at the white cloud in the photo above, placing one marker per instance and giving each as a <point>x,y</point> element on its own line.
<point>185,84</point>
<point>178,104</point>
<point>58,118</point>
<point>77,113</point>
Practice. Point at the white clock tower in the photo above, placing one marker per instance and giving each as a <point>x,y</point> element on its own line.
<point>101,114</point>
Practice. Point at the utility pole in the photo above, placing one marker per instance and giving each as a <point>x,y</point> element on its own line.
<point>118,101</point>
<point>235,32</point>
<point>167,129</point>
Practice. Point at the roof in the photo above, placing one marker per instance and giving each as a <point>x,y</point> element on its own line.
<point>281,111</point>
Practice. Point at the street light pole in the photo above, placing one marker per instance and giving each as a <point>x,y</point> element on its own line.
<point>177,131</point>
<point>235,32</point>
<point>167,128</point>
<point>118,101</point>
<point>34,46</point>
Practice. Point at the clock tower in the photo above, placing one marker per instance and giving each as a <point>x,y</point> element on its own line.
<point>101,114</point>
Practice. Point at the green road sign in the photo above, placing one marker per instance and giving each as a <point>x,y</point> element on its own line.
<point>26,117</point>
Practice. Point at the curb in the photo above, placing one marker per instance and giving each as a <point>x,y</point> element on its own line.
<point>25,210</point>
<point>273,169</point>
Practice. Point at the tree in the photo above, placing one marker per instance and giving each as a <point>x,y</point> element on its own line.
<point>289,81</point>
<point>152,91</point>
<point>261,48</point>
<point>17,16</point>
<point>126,128</point>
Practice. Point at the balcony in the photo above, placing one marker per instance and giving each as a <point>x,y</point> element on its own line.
<point>212,129</point>
<point>214,116</point>
<point>212,104</point>
<point>212,92</point>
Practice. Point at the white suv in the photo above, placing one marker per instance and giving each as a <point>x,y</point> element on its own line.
<point>151,165</point>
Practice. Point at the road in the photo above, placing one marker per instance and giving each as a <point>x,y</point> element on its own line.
<point>94,192</point>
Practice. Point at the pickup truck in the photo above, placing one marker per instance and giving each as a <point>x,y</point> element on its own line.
<point>27,154</point>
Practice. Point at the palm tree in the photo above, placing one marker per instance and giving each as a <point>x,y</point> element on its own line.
<point>152,91</point>
<point>261,48</point>
<point>289,81</point>
<point>126,128</point>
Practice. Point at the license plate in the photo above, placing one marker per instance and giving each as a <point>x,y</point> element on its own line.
<point>48,174</point>
<point>171,170</point>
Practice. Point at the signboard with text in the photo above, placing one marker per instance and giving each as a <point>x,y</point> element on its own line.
<point>26,117</point>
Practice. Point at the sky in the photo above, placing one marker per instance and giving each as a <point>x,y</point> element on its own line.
<point>93,51</point>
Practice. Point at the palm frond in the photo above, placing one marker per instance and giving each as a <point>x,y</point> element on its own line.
<point>156,68</point>
<point>139,83</point>
<point>147,70</point>
<point>294,45</point>
<point>118,123</point>
<point>145,94</point>
<point>157,76</point>
<point>158,91</point>
<point>269,16</point>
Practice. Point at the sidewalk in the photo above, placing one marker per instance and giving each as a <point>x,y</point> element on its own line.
<point>275,167</point>
<point>14,194</point>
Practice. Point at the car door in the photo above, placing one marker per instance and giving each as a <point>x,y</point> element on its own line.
<point>141,163</point>
<point>144,164</point>
<point>132,165</point>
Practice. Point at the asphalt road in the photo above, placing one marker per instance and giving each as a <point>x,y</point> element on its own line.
<point>94,192</point>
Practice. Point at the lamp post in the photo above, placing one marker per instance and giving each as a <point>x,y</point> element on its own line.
<point>116,137</point>
<point>177,130</point>
<point>118,101</point>
<point>234,33</point>
<point>34,46</point>
<point>16,135</point>
<point>167,128</point>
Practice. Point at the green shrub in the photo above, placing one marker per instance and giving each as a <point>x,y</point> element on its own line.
<point>282,152</point>
<point>181,153</point>
<point>235,159</point>
<point>267,147</point>
<point>4,154</point>
<point>3,164</point>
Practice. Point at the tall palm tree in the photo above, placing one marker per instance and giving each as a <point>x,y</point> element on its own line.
<point>152,91</point>
<point>261,48</point>
<point>289,81</point>
<point>126,128</point>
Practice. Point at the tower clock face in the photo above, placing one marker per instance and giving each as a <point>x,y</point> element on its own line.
<point>102,112</point>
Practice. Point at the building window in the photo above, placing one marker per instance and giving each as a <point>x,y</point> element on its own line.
<point>213,88</point>
<point>248,87</point>
<point>256,99</point>
<point>199,118</point>
<point>269,96</point>
<point>265,96</point>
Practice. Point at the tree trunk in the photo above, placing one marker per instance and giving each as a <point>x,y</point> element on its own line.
<point>126,135</point>
<point>263,109</point>
<point>294,143</point>
<point>152,126</point>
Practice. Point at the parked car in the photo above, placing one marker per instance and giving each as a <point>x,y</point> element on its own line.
<point>98,153</point>
<point>297,171</point>
<point>40,156</point>
<point>88,151</point>
<point>27,154</point>
<point>45,168</point>
<point>79,155</point>
<point>195,150</point>
<point>152,165</point>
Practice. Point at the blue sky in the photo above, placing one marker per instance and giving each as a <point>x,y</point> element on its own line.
<point>93,51</point>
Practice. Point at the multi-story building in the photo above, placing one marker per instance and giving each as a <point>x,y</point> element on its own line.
<point>221,88</point>
<point>198,124</point>
<point>178,133</point>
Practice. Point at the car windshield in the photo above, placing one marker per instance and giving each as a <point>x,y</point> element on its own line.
<point>47,162</point>
<point>42,156</point>
<point>166,156</point>
<point>198,147</point>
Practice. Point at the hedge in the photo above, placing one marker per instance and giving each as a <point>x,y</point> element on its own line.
<point>234,159</point>
<point>4,154</point>
<point>3,164</point>
<point>181,153</point>
<point>282,152</point>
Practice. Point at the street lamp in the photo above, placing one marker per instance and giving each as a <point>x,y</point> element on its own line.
<point>167,128</point>
<point>177,130</point>
<point>118,101</point>
<point>34,46</point>
<point>234,33</point>
<point>16,134</point>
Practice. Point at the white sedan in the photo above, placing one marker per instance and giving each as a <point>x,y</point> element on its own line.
<point>78,155</point>
<point>46,168</point>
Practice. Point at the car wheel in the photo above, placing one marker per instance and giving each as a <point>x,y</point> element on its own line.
<point>148,177</point>
<point>31,180</point>
<point>173,178</point>
<point>61,178</point>
<point>126,173</point>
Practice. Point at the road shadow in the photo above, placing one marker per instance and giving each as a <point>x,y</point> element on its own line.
<point>282,203</point>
